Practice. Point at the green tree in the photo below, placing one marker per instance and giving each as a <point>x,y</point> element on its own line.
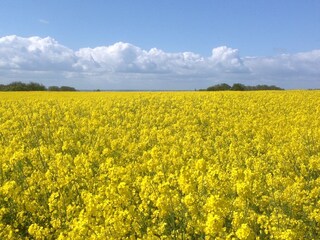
<point>238,87</point>
<point>67,89</point>
<point>219,87</point>
<point>32,86</point>
<point>53,88</point>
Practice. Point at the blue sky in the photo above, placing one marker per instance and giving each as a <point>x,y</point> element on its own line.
<point>160,44</point>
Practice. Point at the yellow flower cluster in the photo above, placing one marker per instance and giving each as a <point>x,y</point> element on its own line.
<point>161,165</point>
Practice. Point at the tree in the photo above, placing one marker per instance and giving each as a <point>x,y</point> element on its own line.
<point>238,87</point>
<point>32,86</point>
<point>219,87</point>
<point>16,86</point>
<point>68,89</point>
<point>53,88</point>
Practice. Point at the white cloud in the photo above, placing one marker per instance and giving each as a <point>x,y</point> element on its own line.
<point>300,70</point>
<point>43,21</point>
<point>34,54</point>
<point>227,59</point>
<point>123,65</point>
<point>125,57</point>
<point>119,57</point>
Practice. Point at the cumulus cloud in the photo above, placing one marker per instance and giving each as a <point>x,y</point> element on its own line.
<point>288,64</point>
<point>300,70</point>
<point>227,59</point>
<point>35,54</point>
<point>122,64</point>
<point>125,57</point>
<point>120,57</point>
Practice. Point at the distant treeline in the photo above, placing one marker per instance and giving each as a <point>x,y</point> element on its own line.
<point>240,87</point>
<point>32,86</point>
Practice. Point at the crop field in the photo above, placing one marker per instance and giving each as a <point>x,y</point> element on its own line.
<point>160,165</point>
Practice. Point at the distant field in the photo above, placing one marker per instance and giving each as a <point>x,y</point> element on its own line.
<point>160,165</point>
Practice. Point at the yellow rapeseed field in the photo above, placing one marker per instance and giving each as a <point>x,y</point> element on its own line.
<point>160,165</point>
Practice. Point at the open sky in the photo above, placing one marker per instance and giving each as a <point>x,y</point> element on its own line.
<point>167,44</point>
